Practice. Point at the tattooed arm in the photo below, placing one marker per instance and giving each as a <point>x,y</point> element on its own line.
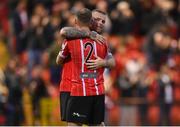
<point>74,33</point>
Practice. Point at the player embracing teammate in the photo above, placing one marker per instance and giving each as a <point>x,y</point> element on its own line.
<point>83,55</point>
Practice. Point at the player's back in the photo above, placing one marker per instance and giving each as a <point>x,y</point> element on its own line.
<point>86,82</point>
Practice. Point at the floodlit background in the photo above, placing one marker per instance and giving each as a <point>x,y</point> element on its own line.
<point>143,35</point>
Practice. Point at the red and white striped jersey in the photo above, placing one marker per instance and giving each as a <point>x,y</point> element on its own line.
<point>65,84</point>
<point>85,82</point>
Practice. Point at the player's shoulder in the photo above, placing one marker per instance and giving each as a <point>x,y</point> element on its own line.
<point>87,40</point>
<point>73,40</point>
<point>69,42</point>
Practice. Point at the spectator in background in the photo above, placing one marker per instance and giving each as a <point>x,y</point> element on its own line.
<point>122,19</point>
<point>102,5</point>
<point>63,10</point>
<point>4,92</point>
<point>130,83</point>
<point>166,94</point>
<point>38,90</point>
<point>78,5</point>
<point>161,14</point>
<point>14,104</point>
<point>35,41</point>
<point>49,32</point>
<point>55,70</point>
<point>157,46</point>
<point>20,25</point>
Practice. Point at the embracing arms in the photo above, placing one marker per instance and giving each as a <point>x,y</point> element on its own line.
<point>59,59</point>
<point>74,33</point>
<point>109,62</point>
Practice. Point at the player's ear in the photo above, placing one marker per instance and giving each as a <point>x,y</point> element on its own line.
<point>76,20</point>
<point>91,22</point>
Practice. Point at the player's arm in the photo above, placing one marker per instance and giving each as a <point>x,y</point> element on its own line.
<point>74,33</point>
<point>63,53</point>
<point>59,59</point>
<point>108,62</point>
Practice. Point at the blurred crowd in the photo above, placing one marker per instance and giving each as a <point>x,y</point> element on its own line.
<point>143,35</point>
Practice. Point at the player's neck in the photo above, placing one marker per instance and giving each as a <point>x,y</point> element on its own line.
<point>84,28</point>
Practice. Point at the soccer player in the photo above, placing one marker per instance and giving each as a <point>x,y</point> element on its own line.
<point>97,25</point>
<point>65,87</point>
<point>65,84</point>
<point>86,103</point>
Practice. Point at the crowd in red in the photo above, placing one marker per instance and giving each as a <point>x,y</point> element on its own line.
<point>143,35</point>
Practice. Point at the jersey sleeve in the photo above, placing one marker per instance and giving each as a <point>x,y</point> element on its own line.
<point>64,50</point>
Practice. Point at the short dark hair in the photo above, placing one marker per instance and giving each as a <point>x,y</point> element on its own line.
<point>97,10</point>
<point>84,15</point>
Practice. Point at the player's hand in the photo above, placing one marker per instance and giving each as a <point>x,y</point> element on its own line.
<point>97,37</point>
<point>100,38</point>
<point>95,64</point>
